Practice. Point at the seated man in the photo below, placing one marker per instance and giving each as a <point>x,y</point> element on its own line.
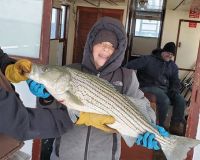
<point>158,74</point>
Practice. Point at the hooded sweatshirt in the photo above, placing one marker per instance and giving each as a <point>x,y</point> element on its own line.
<point>89,143</point>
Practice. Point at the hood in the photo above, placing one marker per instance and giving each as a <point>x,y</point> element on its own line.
<point>157,54</point>
<point>116,59</point>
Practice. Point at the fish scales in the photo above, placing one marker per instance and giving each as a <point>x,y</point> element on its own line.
<point>99,90</point>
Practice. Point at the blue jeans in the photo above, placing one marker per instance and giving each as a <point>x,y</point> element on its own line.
<point>164,100</point>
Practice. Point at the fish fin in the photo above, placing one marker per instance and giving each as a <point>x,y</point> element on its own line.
<point>123,130</point>
<point>61,86</point>
<point>129,140</point>
<point>73,101</point>
<point>178,147</point>
<point>73,114</point>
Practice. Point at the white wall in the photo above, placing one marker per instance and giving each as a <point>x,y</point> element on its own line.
<point>170,27</point>
<point>29,100</point>
<point>149,43</point>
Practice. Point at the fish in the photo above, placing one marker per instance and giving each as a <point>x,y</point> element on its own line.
<point>88,93</point>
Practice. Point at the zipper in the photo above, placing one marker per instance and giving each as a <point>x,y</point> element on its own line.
<point>87,143</point>
<point>98,74</point>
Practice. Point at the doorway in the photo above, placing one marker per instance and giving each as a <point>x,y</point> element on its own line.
<point>188,61</point>
<point>186,56</point>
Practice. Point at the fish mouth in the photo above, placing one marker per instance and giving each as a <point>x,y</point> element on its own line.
<point>35,72</point>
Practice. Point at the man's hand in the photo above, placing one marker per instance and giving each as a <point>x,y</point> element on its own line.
<point>96,120</point>
<point>37,89</point>
<point>16,72</point>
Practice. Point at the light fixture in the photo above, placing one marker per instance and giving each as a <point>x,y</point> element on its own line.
<point>142,3</point>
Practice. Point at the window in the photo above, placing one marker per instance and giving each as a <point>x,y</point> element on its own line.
<point>58,22</point>
<point>20,27</point>
<point>150,5</point>
<point>54,23</point>
<point>62,30</point>
<point>155,4</point>
<point>147,28</point>
<point>148,19</point>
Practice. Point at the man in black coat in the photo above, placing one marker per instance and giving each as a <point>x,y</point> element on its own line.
<point>158,74</point>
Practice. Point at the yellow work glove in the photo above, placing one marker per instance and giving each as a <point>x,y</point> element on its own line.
<point>16,72</point>
<point>96,120</point>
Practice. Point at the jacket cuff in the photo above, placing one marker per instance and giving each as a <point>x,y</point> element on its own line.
<point>46,101</point>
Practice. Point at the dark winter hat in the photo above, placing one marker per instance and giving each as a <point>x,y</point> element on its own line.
<point>170,47</point>
<point>106,36</point>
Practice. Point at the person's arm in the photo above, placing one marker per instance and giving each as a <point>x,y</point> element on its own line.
<point>28,123</point>
<point>174,81</point>
<point>137,63</point>
<point>133,89</point>
<point>5,60</point>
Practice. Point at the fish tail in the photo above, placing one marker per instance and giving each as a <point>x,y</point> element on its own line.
<point>178,147</point>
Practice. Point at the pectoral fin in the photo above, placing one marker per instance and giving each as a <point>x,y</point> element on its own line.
<point>73,101</point>
<point>123,130</point>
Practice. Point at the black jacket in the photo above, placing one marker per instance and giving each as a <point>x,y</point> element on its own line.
<point>152,70</point>
<point>5,60</point>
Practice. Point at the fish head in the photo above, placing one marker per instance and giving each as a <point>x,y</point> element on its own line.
<point>56,79</point>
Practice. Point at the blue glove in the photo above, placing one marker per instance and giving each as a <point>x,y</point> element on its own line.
<point>148,139</point>
<point>162,131</point>
<point>37,89</point>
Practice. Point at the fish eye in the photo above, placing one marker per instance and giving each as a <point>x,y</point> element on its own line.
<point>45,68</point>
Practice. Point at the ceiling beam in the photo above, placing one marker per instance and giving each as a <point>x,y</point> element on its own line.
<point>96,5</point>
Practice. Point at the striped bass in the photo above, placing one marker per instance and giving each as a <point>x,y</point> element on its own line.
<point>88,93</point>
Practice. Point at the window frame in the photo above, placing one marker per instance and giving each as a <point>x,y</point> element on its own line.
<point>142,30</point>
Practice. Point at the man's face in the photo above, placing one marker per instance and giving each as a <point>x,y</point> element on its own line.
<point>101,53</point>
<point>166,56</point>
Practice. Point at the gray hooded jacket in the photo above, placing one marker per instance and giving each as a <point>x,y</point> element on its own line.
<point>88,143</point>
